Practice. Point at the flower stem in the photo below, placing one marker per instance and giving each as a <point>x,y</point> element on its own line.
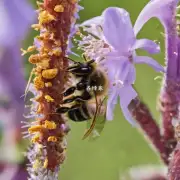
<point>142,115</point>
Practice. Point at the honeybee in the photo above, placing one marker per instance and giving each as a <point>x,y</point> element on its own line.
<point>91,88</point>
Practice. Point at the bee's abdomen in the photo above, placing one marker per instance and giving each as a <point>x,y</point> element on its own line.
<point>69,91</point>
<point>79,114</point>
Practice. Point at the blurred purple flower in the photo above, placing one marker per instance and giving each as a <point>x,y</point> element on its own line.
<point>13,172</point>
<point>15,19</point>
<point>118,33</point>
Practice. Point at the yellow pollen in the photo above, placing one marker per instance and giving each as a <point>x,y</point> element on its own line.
<point>44,64</point>
<point>48,84</point>
<point>34,58</point>
<point>49,98</point>
<point>40,38</point>
<point>33,129</point>
<point>36,27</point>
<point>45,17</point>
<point>57,51</point>
<point>74,1</point>
<point>58,43</point>
<point>38,82</point>
<point>52,139</point>
<point>78,33</point>
<point>59,8</point>
<point>38,70</point>
<point>35,138</point>
<point>45,163</point>
<point>49,73</point>
<point>50,124</point>
<point>39,110</point>
<point>30,49</point>
<point>36,164</point>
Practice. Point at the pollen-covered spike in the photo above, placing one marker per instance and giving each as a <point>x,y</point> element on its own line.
<point>56,21</point>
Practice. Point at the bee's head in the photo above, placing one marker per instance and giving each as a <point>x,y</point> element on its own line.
<point>85,68</point>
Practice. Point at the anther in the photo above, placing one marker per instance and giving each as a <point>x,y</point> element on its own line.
<point>52,139</point>
<point>33,129</point>
<point>50,124</point>
<point>59,8</point>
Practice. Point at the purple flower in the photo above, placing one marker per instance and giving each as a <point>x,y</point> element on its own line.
<point>15,20</point>
<point>117,32</point>
<point>16,17</point>
<point>165,11</point>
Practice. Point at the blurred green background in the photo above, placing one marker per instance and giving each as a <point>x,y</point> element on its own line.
<point>120,146</point>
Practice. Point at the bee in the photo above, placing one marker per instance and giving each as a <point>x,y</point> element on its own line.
<point>91,86</point>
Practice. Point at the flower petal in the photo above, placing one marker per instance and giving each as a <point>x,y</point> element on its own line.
<point>164,10</point>
<point>95,30</point>
<point>120,69</point>
<point>131,77</point>
<point>127,93</point>
<point>156,8</point>
<point>94,21</point>
<point>111,102</point>
<point>149,61</point>
<point>118,29</point>
<point>148,45</point>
